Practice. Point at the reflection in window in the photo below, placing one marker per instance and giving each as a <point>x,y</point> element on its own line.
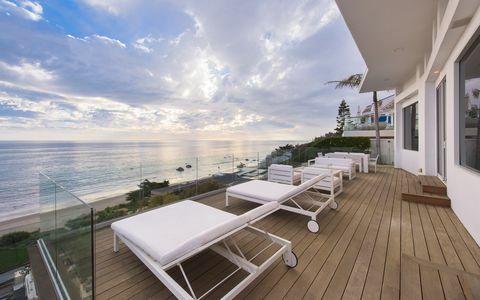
<point>470,108</point>
<point>410,127</point>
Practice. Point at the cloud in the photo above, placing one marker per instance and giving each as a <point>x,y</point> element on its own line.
<point>108,41</point>
<point>26,71</point>
<point>27,9</point>
<point>110,6</point>
<point>217,70</point>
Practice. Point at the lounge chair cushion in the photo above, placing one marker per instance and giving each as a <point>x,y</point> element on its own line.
<point>169,232</point>
<point>264,191</point>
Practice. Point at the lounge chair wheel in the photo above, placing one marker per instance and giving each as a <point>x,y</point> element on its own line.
<point>290,259</point>
<point>334,205</point>
<point>313,226</point>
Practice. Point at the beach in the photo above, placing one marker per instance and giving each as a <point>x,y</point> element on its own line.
<point>31,222</point>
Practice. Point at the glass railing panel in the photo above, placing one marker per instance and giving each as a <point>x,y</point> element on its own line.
<point>48,223</point>
<point>246,166</point>
<point>217,171</point>
<point>75,244</point>
<point>67,240</point>
<point>369,126</point>
<point>163,181</point>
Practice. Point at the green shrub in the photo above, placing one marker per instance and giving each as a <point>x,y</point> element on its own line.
<point>12,258</point>
<point>346,143</point>
<point>14,237</point>
<point>110,213</point>
<point>82,221</point>
<point>145,189</point>
<point>184,193</point>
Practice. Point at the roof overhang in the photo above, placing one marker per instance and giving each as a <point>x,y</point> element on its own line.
<point>392,36</point>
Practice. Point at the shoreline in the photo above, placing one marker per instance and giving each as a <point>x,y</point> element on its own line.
<point>30,222</point>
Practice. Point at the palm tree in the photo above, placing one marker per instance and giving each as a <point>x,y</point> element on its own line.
<point>353,81</point>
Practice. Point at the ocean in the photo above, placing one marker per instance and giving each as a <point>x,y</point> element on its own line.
<point>98,170</point>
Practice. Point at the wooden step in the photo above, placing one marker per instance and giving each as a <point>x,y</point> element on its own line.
<point>427,198</point>
<point>432,185</point>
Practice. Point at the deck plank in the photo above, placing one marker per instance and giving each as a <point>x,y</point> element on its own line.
<point>374,280</point>
<point>410,287</point>
<point>260,288</point>
<point>344,270</point>
<point>358,275</point>
<point>450,284</point>
<point>358,253</point>
<point>340,237</point>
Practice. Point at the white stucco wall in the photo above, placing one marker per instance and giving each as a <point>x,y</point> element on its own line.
<point>462,184</point>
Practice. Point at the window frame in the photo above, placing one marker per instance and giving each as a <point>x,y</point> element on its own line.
<point>467,51</point>
<point>408,135</point>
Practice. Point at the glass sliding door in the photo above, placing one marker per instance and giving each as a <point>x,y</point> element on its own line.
<point>441,141</point>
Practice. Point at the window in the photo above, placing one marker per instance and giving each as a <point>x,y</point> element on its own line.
<point>410,127</point>
<point>470,107</point>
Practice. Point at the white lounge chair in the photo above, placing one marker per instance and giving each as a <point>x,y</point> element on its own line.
<point>347,166</point>
<point>283,174</point>
<point>373,162</point>
<point>168,236</point>
<point>264,192</point>
<point>332,184</point>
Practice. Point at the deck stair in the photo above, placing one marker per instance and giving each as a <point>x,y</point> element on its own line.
<point>426,190</point>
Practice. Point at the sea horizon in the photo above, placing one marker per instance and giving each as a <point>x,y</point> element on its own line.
<point>96,170</point>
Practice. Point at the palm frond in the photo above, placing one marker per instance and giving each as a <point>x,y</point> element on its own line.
<point>351,81</point>
<point>476,93</point>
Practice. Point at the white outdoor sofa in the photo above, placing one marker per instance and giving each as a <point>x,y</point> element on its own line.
<point>347,166</point>
<point>168,236</point>
<point>332,185</point>
<point>356,157</point>
<point>283,174</point>
<point>262,192</point>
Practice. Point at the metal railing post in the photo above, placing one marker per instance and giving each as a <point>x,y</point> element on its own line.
<point>233,167</point>
<point>196,175</point>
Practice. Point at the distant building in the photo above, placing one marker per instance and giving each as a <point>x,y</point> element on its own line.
<point>363,124</point>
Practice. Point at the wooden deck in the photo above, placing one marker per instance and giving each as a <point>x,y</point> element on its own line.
<point>373,246</point>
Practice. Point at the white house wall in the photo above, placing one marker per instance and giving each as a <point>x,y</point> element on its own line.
<point>462,184</point>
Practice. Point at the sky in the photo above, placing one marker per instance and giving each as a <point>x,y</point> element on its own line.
<point>182,69</point>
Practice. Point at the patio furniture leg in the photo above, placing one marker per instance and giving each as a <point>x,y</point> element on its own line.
<point>115,242</point>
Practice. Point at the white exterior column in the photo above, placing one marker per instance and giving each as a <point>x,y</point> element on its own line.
<point>398,134</point>
<point>429,132</point>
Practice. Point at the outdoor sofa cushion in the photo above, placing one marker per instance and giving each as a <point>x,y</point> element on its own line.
<point>172,231</point>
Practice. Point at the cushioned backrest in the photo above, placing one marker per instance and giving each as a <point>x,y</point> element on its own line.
<point>333,161</point>
<point>204,237</point>
<point>309,173</point>
<point>304,186</point>
<point>336,155</point>
<point>280,174</point>
<point>261,210</point>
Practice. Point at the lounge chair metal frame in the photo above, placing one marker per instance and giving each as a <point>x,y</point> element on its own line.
<point>221,247</point>
<point>316,205</point>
